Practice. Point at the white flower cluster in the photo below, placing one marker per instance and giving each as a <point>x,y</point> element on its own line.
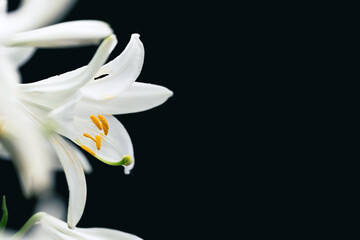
<point>42,122</point>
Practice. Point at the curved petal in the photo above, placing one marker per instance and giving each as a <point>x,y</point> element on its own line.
<point>83,159</point>
<point>32,14</point>
<point>9,76</point>
<point>30,154</point>
<point>54,91</point>
<point>75,178</point>
<point>120,73</point>
<point>139,97</point>
<point>65,34</point>
<point>114,147</point>
<point>3,7</point>
<point>58,229</point>
<point>21,138</point>
<point>18,55</point>
<point>4,154</point>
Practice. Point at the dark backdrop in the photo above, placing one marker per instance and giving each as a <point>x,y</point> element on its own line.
<point>166,195</point>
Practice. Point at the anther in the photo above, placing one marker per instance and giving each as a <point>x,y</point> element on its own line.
<point>98,142</point>
<point>101,76</point>
<point>96,122</point>
<point>104,123</point>
<point>88,150</point>
<point>89,136</point>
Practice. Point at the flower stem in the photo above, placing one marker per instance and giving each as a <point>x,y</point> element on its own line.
<point>29,223</point>
<point>4,217</point>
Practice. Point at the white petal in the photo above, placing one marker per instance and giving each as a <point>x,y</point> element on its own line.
<point>22,138</point>
<point>59,230</point>
<point>54,91</point>
<point>29,153</point>
<point>3,7</point>
<point>83,159</point>
<point>139,97</point>
<point>9,75</point>
<point>122,72</point>
<point>32,14</point>
<point>18,55</point>
<point>52,204</point>
<point>114,146</point>
<point>65,34</point>
<point>4,154</point>
<point>75,178</point>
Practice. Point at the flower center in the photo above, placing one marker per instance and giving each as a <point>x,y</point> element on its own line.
<point>101,123</point>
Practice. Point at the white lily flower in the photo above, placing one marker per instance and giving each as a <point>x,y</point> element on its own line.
<point>54,228</point>
<point>59,230</point>
<point>47,224</point>
<point>84,115</point>
<point>22,137</point>
<point>111,90</point>
<point>81,103</point>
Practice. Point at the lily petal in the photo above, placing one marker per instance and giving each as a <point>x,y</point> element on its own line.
<point>120,73</point>
<point>115,146</point>
<point>58,229</point>
<point>29,153</point>
<point>74,33</point>
<point>21,138</point>
<point>32,14</point>
<point>54,91</point>
<point>75,178</point>
<point>9,75</point>
<point>18,55</point>
<point>4,154</point>
<point>139,97</point>
<point>3,7</point>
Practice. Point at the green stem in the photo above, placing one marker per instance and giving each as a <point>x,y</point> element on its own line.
<point>29,223</point>
<point>4,217</point>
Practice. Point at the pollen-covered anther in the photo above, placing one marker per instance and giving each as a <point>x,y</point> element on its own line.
<point>98,142</point>
<point>96,122</point>
<point>104,123</point>
<point>89,136</point>
<point>88,150</point>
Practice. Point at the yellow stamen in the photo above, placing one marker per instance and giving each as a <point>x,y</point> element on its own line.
<point>96,121</point>
<point>88,136</point>
<point>104,123</point>
<point>98,142</point>
<point>88,150</point>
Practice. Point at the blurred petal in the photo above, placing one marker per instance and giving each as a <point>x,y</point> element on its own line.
<point>33,14</point>
<point>4,154</point>
<point>52,204</point>
<point>120,73</point>
<point>21,138</point>
<point>18,55</point>
<point>74,33</point>
<point>58,229</point>
<point>139,97</point>
<point>9,76</point>
<point>75,178</point>
<point>30,154</point>
<point>3,7</point>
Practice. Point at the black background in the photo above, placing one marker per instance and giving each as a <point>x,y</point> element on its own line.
<point>175,189</point>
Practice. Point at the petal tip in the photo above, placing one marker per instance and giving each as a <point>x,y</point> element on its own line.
<point>135,35</point>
